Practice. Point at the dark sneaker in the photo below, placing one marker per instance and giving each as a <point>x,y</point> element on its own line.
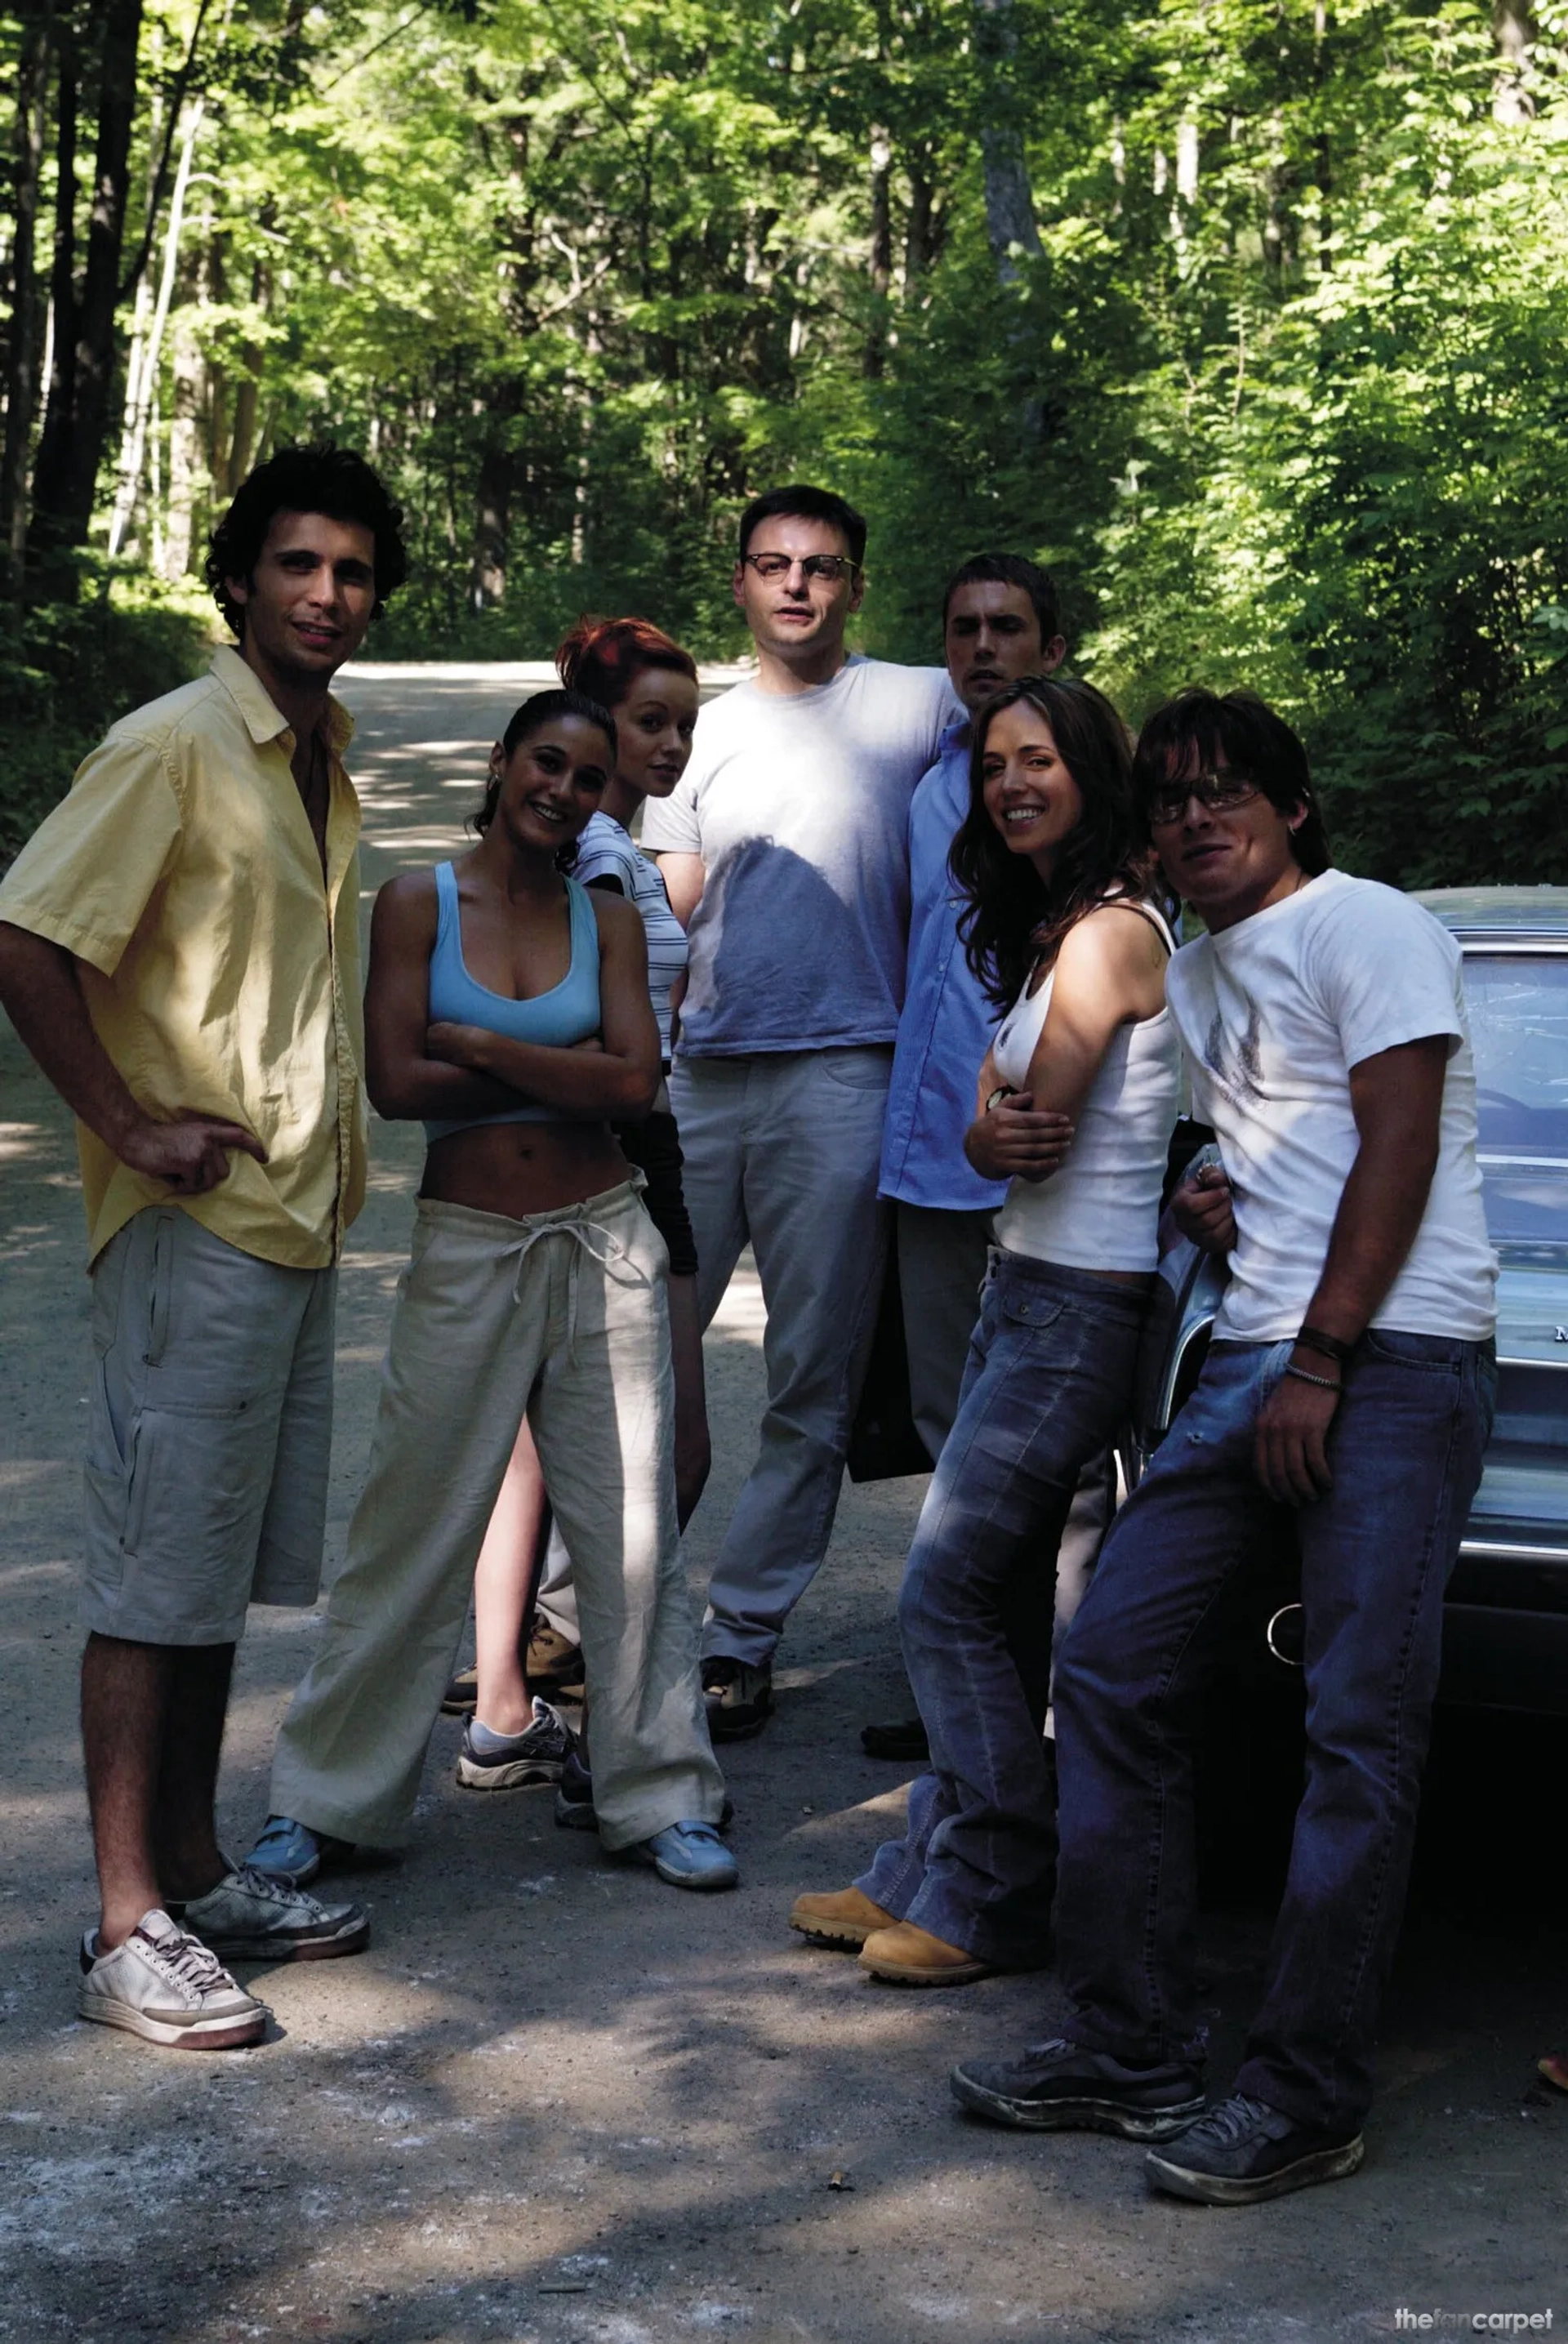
<point>462,1696</point>
<point>1244,2151</point>
<point>574,1796</point>
<point>536,1755</point>
<point>904,1742</point>
<point>738,1697</point>
<point>1059,2086</point>
<point>253,1916</point>
<point>574,1808</point>
<point>551,1659</point>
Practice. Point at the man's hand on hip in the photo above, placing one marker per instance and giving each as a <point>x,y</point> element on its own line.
<point>191,1151</point>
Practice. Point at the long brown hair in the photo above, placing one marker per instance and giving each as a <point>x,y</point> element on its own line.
<point>1013,920</point>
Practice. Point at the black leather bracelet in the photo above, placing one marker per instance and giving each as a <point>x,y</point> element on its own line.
<point>1304,1376</point>
<point>1314,1340</point>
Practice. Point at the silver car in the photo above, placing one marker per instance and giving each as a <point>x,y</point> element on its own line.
<point>1505,1640</point>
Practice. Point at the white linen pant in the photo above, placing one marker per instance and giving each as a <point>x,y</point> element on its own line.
<point>782,1149</point>
<point>561,1314</point>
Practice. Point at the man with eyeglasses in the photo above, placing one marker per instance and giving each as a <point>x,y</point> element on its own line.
<point>1349,1386</point>
<point>784,849</point>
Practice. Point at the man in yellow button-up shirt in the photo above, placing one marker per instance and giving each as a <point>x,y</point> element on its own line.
<point>179,951</point>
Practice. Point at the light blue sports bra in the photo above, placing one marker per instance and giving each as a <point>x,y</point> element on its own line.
<point>568,1013</point>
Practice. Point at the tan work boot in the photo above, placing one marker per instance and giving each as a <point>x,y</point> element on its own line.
<point>551,1660</point>
<point>845,1918</point>
<point>906,1955</point>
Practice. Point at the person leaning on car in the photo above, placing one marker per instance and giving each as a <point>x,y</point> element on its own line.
<point>179,952</point>
<point>1350,1381</point>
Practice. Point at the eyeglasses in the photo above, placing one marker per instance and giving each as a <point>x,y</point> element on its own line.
<point>1220,793</point>
<point>829,567</point>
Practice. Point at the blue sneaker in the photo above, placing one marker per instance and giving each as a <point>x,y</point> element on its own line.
<point>689,1855</point>
<point>292,1853</point>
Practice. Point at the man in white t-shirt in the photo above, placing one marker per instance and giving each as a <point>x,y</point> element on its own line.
<point>1351,1383</point>
<point>785,848</point>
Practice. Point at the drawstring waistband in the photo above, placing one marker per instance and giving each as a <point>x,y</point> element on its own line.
<point>583,1234</point>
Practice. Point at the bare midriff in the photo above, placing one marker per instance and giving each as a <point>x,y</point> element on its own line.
<point>520,1168</point>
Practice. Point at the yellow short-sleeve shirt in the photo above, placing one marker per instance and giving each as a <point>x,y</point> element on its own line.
<point>220,971</point>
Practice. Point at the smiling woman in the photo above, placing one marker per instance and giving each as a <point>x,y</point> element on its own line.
<point>508,1007</point>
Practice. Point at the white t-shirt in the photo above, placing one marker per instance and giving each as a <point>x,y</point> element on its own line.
<point>1274,1014</point>
<point>608,850</point>
<point>799,805</point>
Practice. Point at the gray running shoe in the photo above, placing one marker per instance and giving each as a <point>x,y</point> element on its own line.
<point>535,1755</point>
<point>251,1917</point>
<point>166,1987</point>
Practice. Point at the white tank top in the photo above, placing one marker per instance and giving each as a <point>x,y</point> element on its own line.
<point>1101,1209</point>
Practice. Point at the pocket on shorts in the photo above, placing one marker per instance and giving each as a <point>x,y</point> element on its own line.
<point>196,1488</point>
<point>166,1235</point>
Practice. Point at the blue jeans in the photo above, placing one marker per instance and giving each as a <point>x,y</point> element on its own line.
<point>1046,1386</point>
<point>1406,1450</point>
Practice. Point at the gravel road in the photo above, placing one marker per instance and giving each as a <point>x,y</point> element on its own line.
<point>558,2103</point>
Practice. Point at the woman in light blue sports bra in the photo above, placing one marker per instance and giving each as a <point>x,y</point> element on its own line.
<point>508,1009</point>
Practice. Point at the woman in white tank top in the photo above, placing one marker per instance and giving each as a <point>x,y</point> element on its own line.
<point>1076,1099</point>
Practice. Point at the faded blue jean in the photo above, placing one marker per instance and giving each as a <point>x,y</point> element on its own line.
<point>1046,1386</point>
<point>1406,1450</point>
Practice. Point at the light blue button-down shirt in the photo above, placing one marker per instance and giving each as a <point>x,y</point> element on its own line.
<point>947,1025</point>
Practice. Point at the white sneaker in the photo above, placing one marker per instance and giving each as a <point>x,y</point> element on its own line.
<point>165,1986</point>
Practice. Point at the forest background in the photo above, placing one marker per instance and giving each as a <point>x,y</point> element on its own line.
<point>1248,316</point>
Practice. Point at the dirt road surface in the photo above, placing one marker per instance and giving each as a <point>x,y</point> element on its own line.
<point>558,2103</point>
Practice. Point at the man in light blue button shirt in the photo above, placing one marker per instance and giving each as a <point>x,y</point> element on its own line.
<point>999,622</point>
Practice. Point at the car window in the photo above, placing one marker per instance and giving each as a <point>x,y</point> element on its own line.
<point>1519,1024</point>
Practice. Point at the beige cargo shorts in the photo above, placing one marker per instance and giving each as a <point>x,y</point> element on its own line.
<point>209,1433</point>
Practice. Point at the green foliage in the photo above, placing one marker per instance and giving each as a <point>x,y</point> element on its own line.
<point>69,669</point>
<point>1280,396</point>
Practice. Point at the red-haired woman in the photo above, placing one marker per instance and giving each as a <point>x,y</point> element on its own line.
<point>650,686</point>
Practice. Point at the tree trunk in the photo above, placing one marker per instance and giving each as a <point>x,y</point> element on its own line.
<point>139,389</point>
<point>21,366</point>
<point>1009,199</point>
<point>77,425</point>
<point>920,232</point>
<point>875,354</point>
<point>179,538</point>
<point>1513,30</point>
<point>59,410</point>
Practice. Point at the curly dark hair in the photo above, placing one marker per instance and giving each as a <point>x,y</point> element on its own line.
<point>319,478</point>
<point>1013,920</point>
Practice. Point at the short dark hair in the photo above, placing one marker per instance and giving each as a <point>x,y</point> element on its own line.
<point>542,708</point>
<point>1012,919</point>
<point>805,503</point>
<point>1197,728</point>
<point>317,479</point>
<point>1010,570</point>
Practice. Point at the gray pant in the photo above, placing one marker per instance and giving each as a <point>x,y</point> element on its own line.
<point>942,1261</point>
<point>562,1313</point>
<point>782,1150</point>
